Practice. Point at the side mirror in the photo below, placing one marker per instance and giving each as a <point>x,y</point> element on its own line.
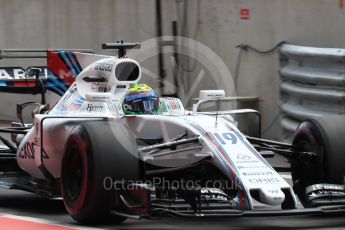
<point>211,94</point>
<point>208,95</point>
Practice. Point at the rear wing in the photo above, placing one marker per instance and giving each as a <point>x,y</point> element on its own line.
<point>17,80</point>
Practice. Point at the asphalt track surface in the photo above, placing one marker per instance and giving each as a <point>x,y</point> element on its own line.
<point>18,209</point>
<point>22,210</point>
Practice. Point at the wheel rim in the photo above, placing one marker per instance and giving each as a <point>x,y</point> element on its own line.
<point>308,172</point>
<point>74,173</point>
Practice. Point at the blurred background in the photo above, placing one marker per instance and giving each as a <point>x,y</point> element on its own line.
<point>246,35</point>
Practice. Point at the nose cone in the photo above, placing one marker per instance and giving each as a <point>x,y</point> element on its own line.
<point>269,196</point>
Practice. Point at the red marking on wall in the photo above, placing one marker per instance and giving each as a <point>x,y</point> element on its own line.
<point>245,14</point>
<point>15,224</point>
<point>341,3</point>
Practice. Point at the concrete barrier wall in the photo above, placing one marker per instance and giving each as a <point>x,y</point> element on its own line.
<point>215,23</point>
<point>313,81</point>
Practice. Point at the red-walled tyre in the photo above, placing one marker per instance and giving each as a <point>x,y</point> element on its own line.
<point>92,154</point>
<point>324,136</point>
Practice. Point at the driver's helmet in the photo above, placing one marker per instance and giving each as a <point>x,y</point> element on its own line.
<point>140,99</point>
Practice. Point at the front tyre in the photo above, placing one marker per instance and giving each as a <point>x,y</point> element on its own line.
<point>93,153</point>
<point>323,136</point>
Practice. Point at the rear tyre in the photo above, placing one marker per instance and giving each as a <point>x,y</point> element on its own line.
<point>325,137</point>
<point>93,153</point>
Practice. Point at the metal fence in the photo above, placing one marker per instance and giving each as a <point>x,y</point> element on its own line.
<point>313,84</point>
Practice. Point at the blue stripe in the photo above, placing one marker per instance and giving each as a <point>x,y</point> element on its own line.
<point>249,146</point>
<point>74,62</point>
<point>53,82</point>
<point>68,63</point>
<point>57,83</point>
<point>234,168</point>
<point>221,157</point>
<point>54,89</point>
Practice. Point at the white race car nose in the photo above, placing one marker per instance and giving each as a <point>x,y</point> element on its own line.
<point>269,196</point>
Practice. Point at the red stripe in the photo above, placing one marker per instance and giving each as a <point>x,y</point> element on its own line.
<point>172,103</point>
<point>59,68</point>
<point>242,201</point>
<point>221,151</point>
<point>14,224</point>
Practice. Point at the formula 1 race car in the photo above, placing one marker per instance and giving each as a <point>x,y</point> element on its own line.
<point>106,164</point>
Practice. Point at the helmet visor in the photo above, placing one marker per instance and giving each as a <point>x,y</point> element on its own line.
<point>145,106</point>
